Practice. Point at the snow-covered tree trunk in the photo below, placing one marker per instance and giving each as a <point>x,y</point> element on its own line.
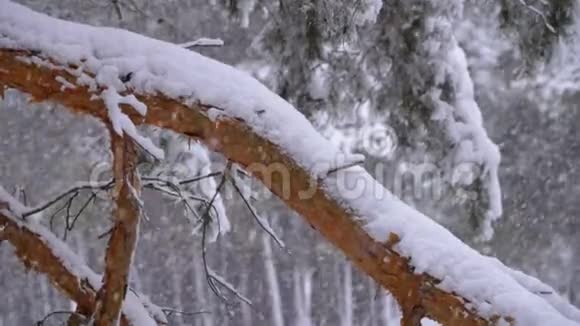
<point>123,239</point>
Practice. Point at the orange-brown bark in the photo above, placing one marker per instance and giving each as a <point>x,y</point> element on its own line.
<point>36,255</point>
<point>233,138</point>
<point>77,318</point>
<point>124,234</point>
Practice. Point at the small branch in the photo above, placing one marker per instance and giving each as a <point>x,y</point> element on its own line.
<point>203,42</point>
<point>540,14</point>
<point>206,219</point>
<point>104,234</point>
<point>169,311</point>
<point>343,167</point>
<point>175,190</point>
<point>91,199</point>
<point>52,217</point>
<point>196,179</point>
<point>101,186</point>
<point>68,214</point>
<point>221,281</point>
<point>261,221</point>
<point>117,8</point>
<point>24,197</point>
<point>212,278</point>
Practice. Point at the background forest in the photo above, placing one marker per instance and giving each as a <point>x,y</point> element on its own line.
<point>364,73</point>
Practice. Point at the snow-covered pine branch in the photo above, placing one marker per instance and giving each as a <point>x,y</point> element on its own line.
<point>418,261</point>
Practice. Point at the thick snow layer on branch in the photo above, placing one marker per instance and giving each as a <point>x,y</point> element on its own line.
<point>133,307</point>
<point>157,67</point>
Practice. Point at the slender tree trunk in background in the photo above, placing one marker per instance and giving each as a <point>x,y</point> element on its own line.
<point>372,296</point>
<point>346,316</point>
<point>176,280</point>
<point>123,239</point>
<point>390,315</point>
<point>32,292</point>
<point>246,311</point>
<point>44,294</point>
<point>135,281</point>
<point>303,296</point>
<point>224,271</point>
<point>272,279</point>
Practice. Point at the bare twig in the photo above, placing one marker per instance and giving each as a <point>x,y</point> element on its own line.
<point>203,42</point>
<point>539,13</point>
<point>222,282</point>
<point>163,185</point>
<point>343,167</point>
<point>24,197</point>
<point>169,311</point>
<point>100,186</point>
<point>71,224</point>
<point>68,214</point>
<point>117,8</point>
<point>199,178</point>
<point>175,190</point>
<point>261,222</point>
<point>206,219</point>
<point>51,219</point>
<point>212,278</point>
